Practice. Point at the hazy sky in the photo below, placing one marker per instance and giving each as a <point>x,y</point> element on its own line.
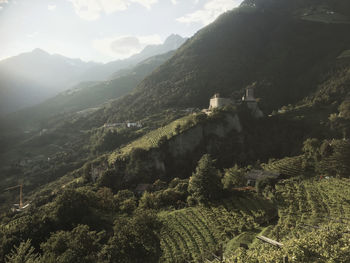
<point>100,30</point>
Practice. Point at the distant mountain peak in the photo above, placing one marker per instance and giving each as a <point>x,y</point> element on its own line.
<point>172,38</point>
<point>39,51</point>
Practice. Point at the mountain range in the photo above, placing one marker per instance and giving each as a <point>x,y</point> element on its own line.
<point>32,77</point>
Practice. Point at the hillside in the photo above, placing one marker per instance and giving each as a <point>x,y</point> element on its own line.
<point>288,57</point>
<point>149,177</point>
<point>86,95</point>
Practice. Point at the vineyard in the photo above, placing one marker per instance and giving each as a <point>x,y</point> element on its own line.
<point>314,216</point>
<point>195,234</point>
<point>311,203</point>
<point>289,166</point>
<point>151,139</point>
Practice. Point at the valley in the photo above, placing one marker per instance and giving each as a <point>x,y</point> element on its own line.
<point>189,154</point>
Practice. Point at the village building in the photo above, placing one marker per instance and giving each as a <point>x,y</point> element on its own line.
<point>256,175</point>
<point>134,125</point>
<point>111,125</point>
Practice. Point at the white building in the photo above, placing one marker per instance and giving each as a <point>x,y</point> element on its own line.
<point>134,125</point>
<point>217,102</point>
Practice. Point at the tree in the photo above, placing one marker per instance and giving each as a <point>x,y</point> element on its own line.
<point>234,177</point>
<point>110,178</point>
<point>205,184</point>
<point>344,109</point>
<point>24,253</point>
<point>80,246</point>
<point>105,199</point>
<point>135,239</point>
<point>71,206</point>
<point>125,201</point>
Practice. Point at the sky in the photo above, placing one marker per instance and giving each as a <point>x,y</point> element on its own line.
<point>100,30</point>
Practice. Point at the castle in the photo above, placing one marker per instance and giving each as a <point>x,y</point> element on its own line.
<point>217,102</point>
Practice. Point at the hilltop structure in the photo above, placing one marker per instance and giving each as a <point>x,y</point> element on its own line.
<point>249,94</point>
<point>217,102</point>
<point>251,102</point>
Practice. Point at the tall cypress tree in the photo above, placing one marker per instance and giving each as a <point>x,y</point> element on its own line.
<point>205,184</point>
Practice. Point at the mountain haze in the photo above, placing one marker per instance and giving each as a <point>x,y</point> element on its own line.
<point>106,71</point>
<point>88,94</point>
<point>32,77</point>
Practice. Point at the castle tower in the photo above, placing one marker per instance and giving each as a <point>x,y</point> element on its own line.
<point>249,94</point>
<point>251,102</point>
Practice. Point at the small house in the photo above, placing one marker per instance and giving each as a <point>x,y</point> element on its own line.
<point>134,125</point>
<point>255,175</point>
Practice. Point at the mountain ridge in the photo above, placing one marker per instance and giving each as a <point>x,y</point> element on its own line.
<point>48,74</point>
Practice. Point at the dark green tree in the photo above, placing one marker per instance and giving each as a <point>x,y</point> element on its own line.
<point>23,253</point>
<point>234,177</point>
<point>70,207</point>
<point>205,184</point>
<point>135,239</point>
<point>125,201</point>
<point>80,245</point>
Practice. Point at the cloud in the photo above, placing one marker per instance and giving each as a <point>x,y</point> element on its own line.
<point>51,7</point>
<point>145,3</point>
<point>3,2</point>
<point>32,35</point>
<point>174,2</point>
<point>92,9</point>
<point>124,46</point>
<point>211,10</point>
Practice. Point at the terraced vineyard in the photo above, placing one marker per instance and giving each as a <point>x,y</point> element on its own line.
<point>314,217</point>
<point>151,139</point>
<point>195,234</point>
<point>311,203</point>
<point>290,166</point>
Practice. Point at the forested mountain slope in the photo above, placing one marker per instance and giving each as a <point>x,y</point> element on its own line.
<point>287,55</point>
